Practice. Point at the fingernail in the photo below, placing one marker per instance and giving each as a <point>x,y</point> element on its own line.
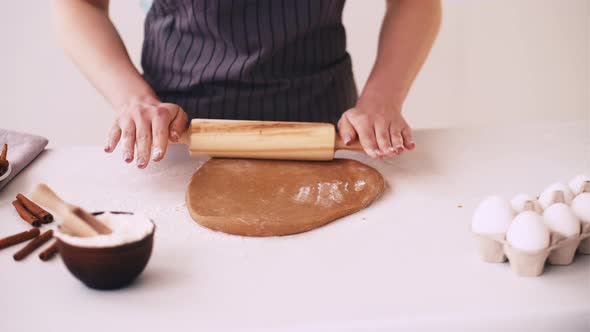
<point>156,154</point>
<point>399,149</point>
<point>127,157</point>
<point>140,162</point>
<point>174,136</point>
<point>392,149</point>
<point>412,145</point>
<point>377,152</point>
<point>346,139</point>
<point>107,149</point>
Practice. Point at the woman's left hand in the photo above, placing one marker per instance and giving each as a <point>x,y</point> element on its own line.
<point>382,130</point>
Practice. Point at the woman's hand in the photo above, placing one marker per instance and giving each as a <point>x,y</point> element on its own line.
<point>88,36</point>
<point>382,130</point>
<point>407,34</point>
<point>145,126</point>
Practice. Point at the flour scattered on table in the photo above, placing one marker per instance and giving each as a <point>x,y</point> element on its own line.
<point>180,208</point>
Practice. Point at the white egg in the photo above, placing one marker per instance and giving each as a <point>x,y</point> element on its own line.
<point>561,219</point>
<point>581,207</point>
<point>550,194</point>
<point>580,184</point>
<point>523,202</point>
<point>528,232</point>
<point>492,216</point>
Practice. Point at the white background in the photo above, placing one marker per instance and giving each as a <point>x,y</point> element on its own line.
<point>495,62</point>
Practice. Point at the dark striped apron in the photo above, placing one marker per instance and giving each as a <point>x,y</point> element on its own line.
<point>282,60</point>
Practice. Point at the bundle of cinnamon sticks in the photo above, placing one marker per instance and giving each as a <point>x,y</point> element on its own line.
<point>33,214</point>
<point>3,161</point>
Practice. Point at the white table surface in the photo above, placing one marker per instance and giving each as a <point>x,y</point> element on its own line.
<point>407,263</point>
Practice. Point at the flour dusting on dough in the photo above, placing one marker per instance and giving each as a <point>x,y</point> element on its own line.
<point>359,185</point>
<point>335,193</point>
<point>326,194</point>
<point>329,193</point>
<point>303,194</point>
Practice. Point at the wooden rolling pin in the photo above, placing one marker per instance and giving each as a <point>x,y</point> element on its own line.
<point>264,140</point>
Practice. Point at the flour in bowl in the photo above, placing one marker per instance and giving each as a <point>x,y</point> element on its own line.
<point>127,228</point>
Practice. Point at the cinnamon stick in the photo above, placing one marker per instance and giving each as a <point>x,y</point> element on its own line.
<point>35,209</point>
<point>3,166</point>
<point>48,253</point>
<point>26,215</point>
<point>34,244</point>
<point>4,152</point>
<point>18,238</point>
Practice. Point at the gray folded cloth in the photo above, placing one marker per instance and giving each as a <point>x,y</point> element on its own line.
<point>22,149</point>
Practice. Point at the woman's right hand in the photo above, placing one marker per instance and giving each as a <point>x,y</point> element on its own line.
<point>144,126</point>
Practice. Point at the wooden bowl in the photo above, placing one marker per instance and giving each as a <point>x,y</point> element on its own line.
<point>107,267</point>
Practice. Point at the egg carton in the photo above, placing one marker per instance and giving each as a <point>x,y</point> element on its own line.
<point>558,220</point>
<point>494,248</point>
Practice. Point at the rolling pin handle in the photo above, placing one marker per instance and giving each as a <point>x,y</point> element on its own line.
<point>185,138</point>
<point>353,146</point>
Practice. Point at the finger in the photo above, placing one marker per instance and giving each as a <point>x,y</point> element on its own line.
<point>160,133</point>
<point>384,140</point>
<point>396,140</point>
<point>128,140</point>
<point>366,134</point>
<point>178,124</point>
<point>114,137</point>
<point>143,141</point>
<point>346,130</point>
<point>408,139</point>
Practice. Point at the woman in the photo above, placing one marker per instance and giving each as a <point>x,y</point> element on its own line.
<point>281,60</point>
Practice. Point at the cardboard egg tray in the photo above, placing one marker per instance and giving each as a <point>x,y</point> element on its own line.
<point>494,248</point>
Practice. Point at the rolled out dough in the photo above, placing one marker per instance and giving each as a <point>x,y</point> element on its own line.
<point>272,198</point>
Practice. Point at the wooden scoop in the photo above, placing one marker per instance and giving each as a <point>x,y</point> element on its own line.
<point>75,221</point>
<point>264,139</point>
